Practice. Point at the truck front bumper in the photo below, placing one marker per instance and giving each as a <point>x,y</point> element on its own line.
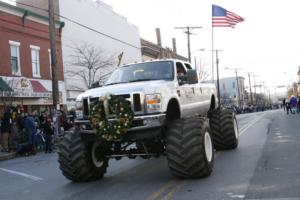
<point>148,122</point>
<point>140,123</point>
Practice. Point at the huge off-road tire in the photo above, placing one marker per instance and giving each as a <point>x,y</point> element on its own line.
<point>189,148</point>
<point>224,128</point>
<point>81,160</point>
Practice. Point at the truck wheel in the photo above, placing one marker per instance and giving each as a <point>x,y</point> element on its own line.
<point>224,128</point>
<point>189,148</point>
<point>80,160</point>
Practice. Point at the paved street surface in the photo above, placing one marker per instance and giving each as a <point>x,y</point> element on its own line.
<point>265,166</point>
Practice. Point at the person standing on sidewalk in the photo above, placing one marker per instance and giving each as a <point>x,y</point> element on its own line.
<point>31,130</point>
<point>48,131</point>
<point>293,104</point>
<point>298,105</point>
<point>5,130</point>
<point>283,104</point>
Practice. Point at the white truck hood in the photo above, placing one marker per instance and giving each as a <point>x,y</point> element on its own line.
<point>146,87</point>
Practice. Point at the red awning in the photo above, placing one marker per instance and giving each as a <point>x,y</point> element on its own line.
<point>37,86</point>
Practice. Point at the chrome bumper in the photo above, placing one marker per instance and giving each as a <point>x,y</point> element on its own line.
<point>143,122</point>
<point>149,122</point>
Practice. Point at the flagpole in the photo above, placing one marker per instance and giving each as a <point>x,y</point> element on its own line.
<point>212,54</point>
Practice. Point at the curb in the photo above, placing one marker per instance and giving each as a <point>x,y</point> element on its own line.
<point>7,156</point>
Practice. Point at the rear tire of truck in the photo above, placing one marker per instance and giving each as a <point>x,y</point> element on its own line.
<point>80,160</point>
<point>224,128</point>
<point>189,148</point>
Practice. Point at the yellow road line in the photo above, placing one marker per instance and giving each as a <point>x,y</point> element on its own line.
<point>166,186</point>
<point>173,191</point>
<point>180,184</point>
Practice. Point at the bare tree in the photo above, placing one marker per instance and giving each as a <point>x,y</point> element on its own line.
<point>292,90</point>
<point>90,64</point>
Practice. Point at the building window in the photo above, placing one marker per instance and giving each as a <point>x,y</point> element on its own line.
<point>35,60</point>
<point>233,84</point>
<point>15,58</point>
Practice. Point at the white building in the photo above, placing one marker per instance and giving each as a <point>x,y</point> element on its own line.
<point>100,17</point>
<point>232,91</point>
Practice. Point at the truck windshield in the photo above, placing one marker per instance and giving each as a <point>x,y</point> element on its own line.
<point>162,70</point>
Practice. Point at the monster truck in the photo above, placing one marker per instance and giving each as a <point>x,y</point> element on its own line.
<point>174,115</point>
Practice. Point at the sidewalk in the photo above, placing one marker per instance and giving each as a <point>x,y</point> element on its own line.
<point>7,155</point>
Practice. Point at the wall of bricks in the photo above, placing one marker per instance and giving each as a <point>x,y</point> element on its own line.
<point>29,33</point>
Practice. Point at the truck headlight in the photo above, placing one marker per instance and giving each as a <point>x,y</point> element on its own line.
<point>153,103</point>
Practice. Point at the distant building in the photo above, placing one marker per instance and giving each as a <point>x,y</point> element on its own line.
<point>280,93</point>
<point>151,51</point>
<point>25,70</point>
<point>231,91</point>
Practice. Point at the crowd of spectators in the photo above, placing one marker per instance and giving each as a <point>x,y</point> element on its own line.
<point>30,132</point>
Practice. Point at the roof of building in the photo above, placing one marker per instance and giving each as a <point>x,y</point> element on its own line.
<point>231,78</point>
<point>154,49</point>
<point>26,12</point>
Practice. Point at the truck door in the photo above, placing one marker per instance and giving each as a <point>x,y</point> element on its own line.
<point>184,90</point>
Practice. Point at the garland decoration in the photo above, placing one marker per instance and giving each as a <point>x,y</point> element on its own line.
<point>105,107</point>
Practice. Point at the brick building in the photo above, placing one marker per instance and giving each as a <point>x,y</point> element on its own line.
<point>25,69</point>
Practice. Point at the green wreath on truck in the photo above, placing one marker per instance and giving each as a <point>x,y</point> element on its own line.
<point>111,129</point>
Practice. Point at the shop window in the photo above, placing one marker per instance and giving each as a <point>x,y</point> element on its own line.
<point>15,58</point>
<point>35,60</point>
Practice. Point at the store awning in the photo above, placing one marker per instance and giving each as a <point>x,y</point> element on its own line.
<point>4,87</point>
<point>37,86</point>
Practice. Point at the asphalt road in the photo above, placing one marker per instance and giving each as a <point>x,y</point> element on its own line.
<point>265,166</point>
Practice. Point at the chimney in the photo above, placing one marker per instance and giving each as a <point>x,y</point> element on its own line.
<point>174,45</point>
<point>158,36</point>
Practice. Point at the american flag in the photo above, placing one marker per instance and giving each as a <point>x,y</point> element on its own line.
<point>224,18</point>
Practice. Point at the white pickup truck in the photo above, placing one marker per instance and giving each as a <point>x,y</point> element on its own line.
<point>174,115</point>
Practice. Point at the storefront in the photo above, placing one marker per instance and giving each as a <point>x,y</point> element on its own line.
<point>28,94</point>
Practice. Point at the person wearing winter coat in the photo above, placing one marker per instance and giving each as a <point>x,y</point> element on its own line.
<point>31,129</point>
<point>5,130</point>
<point>48,131</point>
<point>293,104</point>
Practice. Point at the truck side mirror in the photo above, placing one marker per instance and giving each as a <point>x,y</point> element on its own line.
<point>182,80</point>
<point>192,77</point>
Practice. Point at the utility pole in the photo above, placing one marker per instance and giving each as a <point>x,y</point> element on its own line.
<point>238,87</point>
<point>255,94</point>
<point>52,34</point>
<point>251,97</point>
<point>218,80</point>
<point>188,32</point>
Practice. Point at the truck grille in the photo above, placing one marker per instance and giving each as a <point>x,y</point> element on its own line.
<point>137,106</point>
<point>134,102</point>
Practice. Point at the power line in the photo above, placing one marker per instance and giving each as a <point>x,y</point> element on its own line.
<point>188,32</point>
<point>80,24</point>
